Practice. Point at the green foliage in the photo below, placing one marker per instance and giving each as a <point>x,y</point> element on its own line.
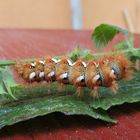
<point>75,54</point>
<point>30,108</point>
<point>104,33</point>
<point>78,53</point>
<point>6,81</point>
<point>121,45</point>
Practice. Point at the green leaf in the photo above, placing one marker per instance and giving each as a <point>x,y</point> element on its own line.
<point>30,108</point>
<point>6,81</point>
<point>104,33</point>
<point>130,41</point>
<point>75,54</point>
<point>129,92</point>
<point>7,89</point>
<point>78,53</point>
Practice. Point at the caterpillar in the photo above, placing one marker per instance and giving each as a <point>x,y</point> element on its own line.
<point>102,72</point>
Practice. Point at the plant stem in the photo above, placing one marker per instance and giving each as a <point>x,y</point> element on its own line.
<point>12,62</point>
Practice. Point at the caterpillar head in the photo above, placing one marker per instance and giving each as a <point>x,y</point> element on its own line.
<point>124,65</point>
<point>114,64</point>
<point>119,67</point>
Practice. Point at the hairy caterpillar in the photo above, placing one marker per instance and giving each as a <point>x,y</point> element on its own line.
<point>105,71</point>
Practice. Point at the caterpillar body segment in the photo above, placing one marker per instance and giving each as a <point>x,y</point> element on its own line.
<point>104,72</point>
<point>62,71</point>
<point>92,77</point>
<point>77,75</point>
<point>26,70</point>
<point>38,70</point>
<point>108,79</point>
<point>97,75</point>
<point>49,69</point>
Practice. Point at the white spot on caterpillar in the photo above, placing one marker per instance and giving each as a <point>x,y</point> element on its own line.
<point>63,76</point>
<point>41,62</point>
<point>112,74</point>
<point>84,64</point>
<point>95,78</point>
<point>69,62</point>
<point>41,74</point>
<point>54,60</point>
<point>32,75</point>
<point>80,78</point>
<point>33,64</point>
<point>52,73</point>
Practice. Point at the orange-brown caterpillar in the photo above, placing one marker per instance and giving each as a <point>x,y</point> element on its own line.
<point>105,72</point>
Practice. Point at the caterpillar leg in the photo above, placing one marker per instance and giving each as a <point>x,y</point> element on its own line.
<point>137,64</point>
<point>95,93</point>
<point>114,87</point>
<point>49,87</point>
<point>128,74</point>
<point>61,87</point>
<point>79,92</point>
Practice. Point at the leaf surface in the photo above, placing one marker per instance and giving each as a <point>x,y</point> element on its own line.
<point>129,92</point>
<point>104,33</point>
<point>16,112</point>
